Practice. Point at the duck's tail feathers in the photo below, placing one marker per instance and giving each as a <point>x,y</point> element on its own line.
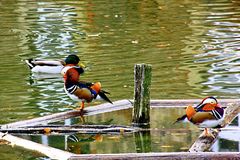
<point>105,92</point>
<point>180,119</point>
<point>29,63</point>
<point>102,94</point>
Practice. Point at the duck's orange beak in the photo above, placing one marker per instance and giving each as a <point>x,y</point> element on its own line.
<point>81,65</point>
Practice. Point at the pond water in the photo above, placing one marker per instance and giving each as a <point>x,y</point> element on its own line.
<point>193,47</point>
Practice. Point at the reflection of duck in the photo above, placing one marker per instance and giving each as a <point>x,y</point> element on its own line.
<point>91,138</point>
<point>79,90</point>
<point>208,114</point>
<point>79,143</point>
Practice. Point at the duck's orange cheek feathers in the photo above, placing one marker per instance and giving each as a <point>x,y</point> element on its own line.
<point>208,107</point>
<point>190,112</point>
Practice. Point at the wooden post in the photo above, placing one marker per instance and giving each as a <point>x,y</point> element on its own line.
<point>142,84</point>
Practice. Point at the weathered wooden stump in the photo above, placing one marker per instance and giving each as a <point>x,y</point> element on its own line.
<point>142,84</point>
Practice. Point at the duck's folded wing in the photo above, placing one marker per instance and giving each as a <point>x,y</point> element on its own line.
<point>199,117</point>
<point>47,62</point>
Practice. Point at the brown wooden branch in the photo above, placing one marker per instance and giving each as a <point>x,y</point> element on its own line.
<point>204,143</point>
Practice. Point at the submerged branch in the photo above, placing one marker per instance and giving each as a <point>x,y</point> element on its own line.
<point>84,129</point>
<point>53,153</point>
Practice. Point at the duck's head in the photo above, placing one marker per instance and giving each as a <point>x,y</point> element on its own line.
<point>72,59</point>
<point>208,104</point>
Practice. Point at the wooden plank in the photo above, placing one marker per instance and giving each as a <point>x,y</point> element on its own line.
<point>204,143</point>
<point>102,108</point>
<point>161,156</point>
<point>46,119</point>
<point>52,153</point>
<point>107,107</point>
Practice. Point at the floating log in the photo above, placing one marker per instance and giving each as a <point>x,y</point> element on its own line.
<point>204,143</point>
<point>161,156</point>
<point>142,84</point>
<point>51,152</point>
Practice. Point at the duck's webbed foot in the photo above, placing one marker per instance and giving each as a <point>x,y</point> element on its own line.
<point>207,134</point>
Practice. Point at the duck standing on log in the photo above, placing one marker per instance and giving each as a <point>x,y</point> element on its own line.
<point>80,90</point>
<point>207,114</point>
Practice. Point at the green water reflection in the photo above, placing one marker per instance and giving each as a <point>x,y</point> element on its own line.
<point>10,153</point>
<point>163,137</point>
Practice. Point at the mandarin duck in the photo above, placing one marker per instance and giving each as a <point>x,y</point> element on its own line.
<point>207,114</point>
<point>80,90</point>
<point>47,66</point>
